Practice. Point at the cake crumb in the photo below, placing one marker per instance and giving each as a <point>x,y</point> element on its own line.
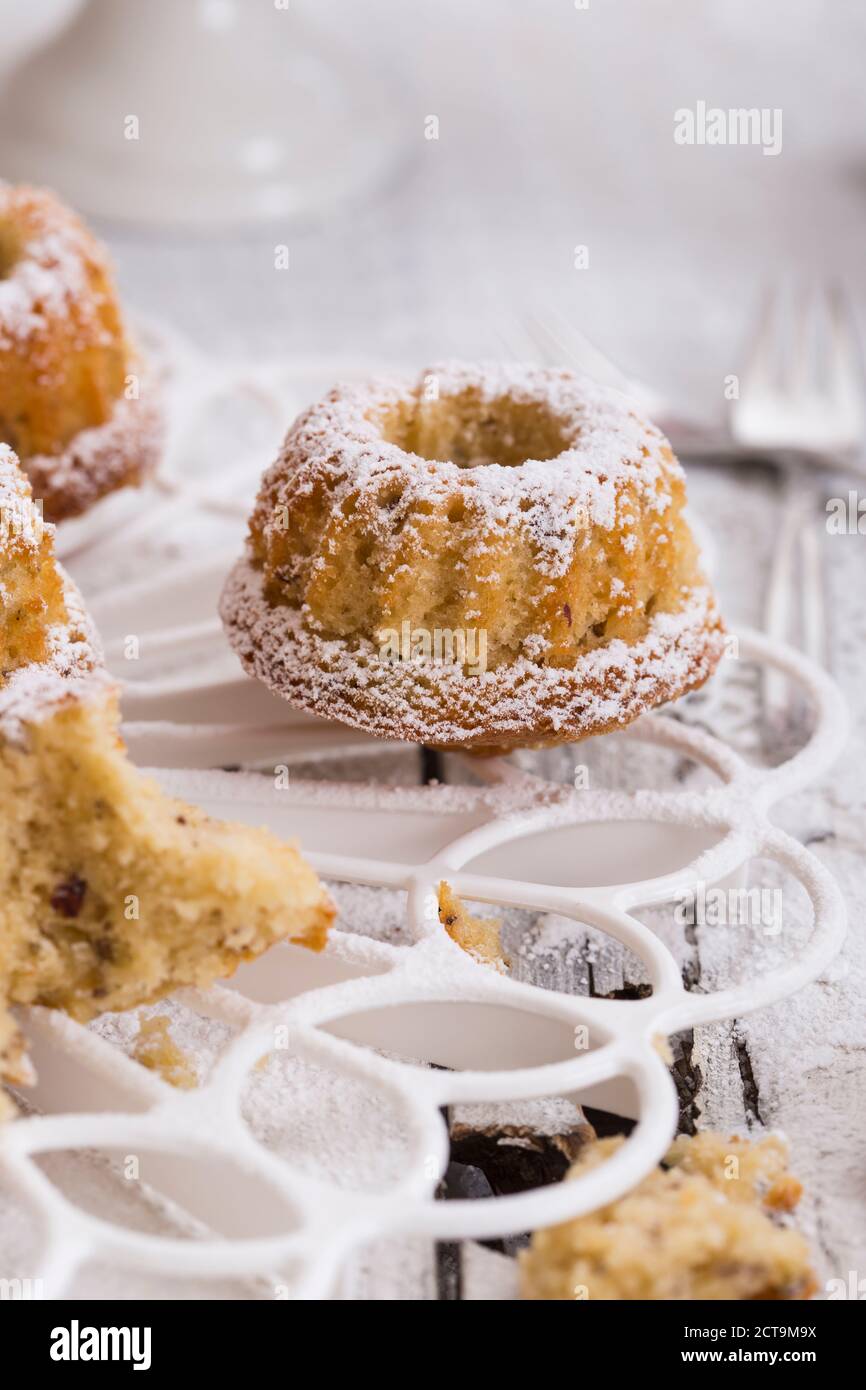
<point>479,937</point>
<point>661,1046</point>
<point>703,1226</point>
<point>156,1049</point>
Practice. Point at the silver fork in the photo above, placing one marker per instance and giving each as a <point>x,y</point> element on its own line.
<point>800,404</point>
<point>548,337</point>
<point>802,391</point>
<point>544,334</point>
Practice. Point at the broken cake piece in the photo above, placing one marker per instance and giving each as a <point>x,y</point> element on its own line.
<point>112,894</point>
<point>703,1226</point>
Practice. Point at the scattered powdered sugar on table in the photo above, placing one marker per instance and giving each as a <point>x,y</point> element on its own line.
<point>324,1124</point>
<point>551,1116</point>
<point>347,1131</point>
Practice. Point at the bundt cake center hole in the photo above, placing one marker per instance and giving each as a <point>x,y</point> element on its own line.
<point>472,432</point>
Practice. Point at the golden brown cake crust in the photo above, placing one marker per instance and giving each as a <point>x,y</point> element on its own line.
<point>486,557</point>
<point>111,893</point>
<point>703,1227</point>
<point>74,401</point>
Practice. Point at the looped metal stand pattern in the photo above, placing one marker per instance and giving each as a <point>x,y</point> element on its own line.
<point>519,842</point>
<point>591,855</point>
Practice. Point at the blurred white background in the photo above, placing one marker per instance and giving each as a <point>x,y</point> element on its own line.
<point>555,129</point>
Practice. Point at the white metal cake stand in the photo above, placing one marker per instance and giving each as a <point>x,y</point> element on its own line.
<point>380,1013</point>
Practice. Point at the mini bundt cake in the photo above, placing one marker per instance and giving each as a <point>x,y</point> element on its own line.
<point>111,893</point>
<point>74,401</point>
<point>486,557</point>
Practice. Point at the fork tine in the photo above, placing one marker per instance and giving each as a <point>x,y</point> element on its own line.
<point>801,363</point>
<point>539,343</point>
<point>551,348</point>
<point>761,372</point>
<point>845,371</point>
<point>569,345</point>
<point>515,346</point>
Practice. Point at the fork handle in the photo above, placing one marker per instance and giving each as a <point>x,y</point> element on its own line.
<point>795,571</point>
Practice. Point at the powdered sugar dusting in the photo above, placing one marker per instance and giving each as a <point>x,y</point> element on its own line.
<point>20,516</point>
<point>73,670</point>
<point>52,274</point>
<point>49,250</point>
<point>124,450</point>
<point>436,702</point>
<point>601,468</point>
<point>610,451</point>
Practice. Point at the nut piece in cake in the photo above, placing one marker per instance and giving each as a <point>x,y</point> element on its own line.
<point>111,893</point>
<point>703,1226</point>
